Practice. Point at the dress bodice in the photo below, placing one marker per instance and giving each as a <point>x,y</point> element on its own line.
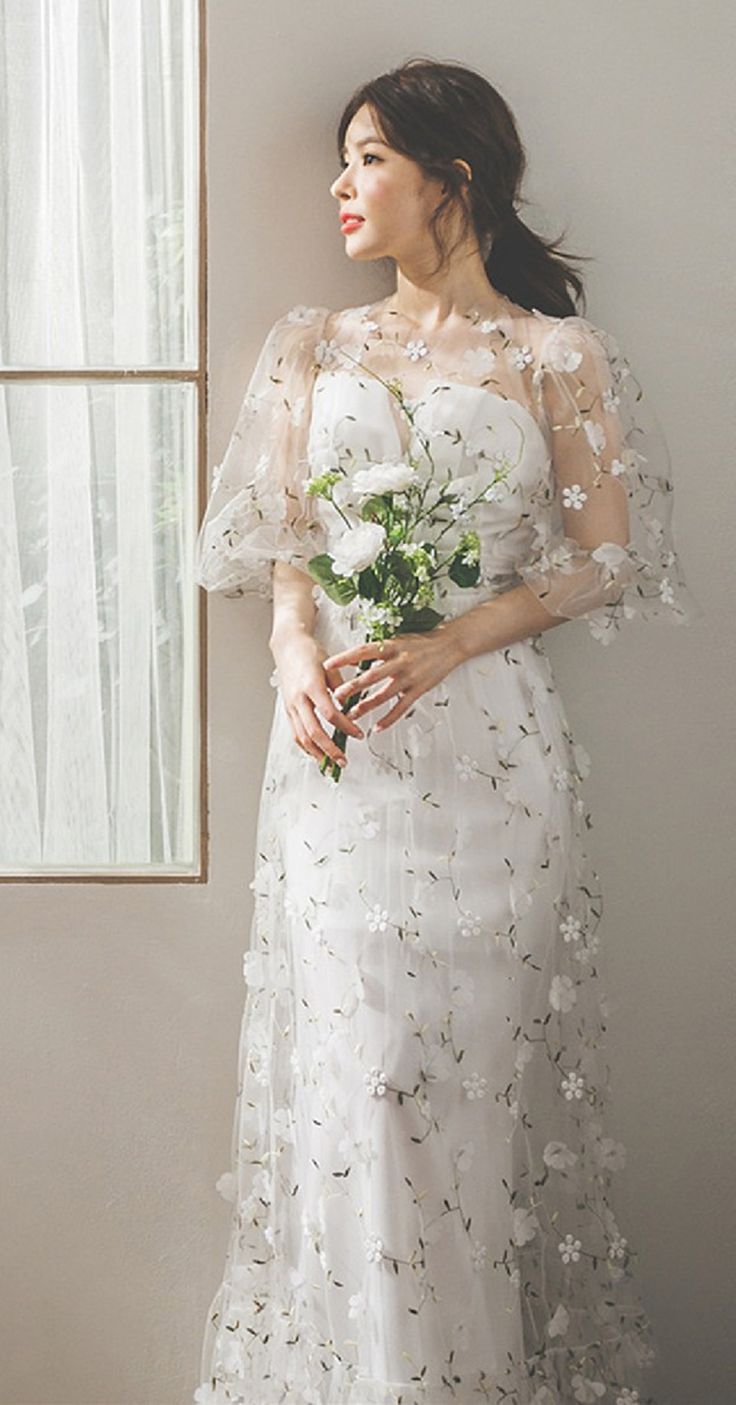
<point>458,434</point>
<point>537,423</point>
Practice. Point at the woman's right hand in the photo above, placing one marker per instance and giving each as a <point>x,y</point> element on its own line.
<point>304,685</point>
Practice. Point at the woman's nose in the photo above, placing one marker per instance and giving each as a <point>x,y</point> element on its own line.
<point>338,186</point>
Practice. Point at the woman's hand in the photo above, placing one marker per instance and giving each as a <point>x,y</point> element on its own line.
<point>407,666</point>
<point>304,684</point>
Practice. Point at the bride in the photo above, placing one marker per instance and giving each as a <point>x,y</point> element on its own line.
<point>422,1181</point>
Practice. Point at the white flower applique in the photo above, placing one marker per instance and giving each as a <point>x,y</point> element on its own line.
<point>560,1321</point>
<point>475,1086</point>
<point>327,352</point>
<point>564,358</point>
<point>596,436</point>
<point>416,349</point>
<point>569,1248</point>
<point>373,1248</point>
<point>586,1390</point>
<point>479,360</point>
<point>377,918</point>
<point>521,356</point>
<point>300,314</point>
<point>574,496</point>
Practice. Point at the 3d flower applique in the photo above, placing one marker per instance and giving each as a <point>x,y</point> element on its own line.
<point>571,928</point>
<point>478,1256</point>
<point>617,1247</point>
<point>563,358</point>
<point>327,353</point>
<point>559,1322</point>
<point>475,1086</point>
<point>562,778</point>
<point>562,994</point>
<point>467,769</point>
<point>479,360</point>
<point>610,400</point>
<point>627,1397</point>
<point>610,1153</point>
<point>377,918</point>
<point>521,356</point>
<point>586,1390</point>
<point>227,1186</point>
<point>524,1056</point>
<point>569,1248</point>
<point>588,949</point>
<point>376,1082</point>
<point>356,1305</point>
<point>574,496</point>
<point>469,924</point>
<point>573,1085</point>
<point>373,1248</point>
<point>666,592</point>
<point>254,969</point>
<point>526,1225</point>
<point>559,1156</point>
<point>596,436</point>
<point>416,349</point>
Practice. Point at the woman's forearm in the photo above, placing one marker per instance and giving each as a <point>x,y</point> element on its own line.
<point>493,624</point>
<point>294,608</point>
<point>504,619</point>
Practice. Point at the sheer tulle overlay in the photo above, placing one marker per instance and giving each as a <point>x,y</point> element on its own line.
<point>422,1182</point>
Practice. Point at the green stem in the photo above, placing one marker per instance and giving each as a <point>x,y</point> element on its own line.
<point>339,737</point>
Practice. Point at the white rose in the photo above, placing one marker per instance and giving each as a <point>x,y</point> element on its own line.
<point>358,548</point>
<point>383,478</point>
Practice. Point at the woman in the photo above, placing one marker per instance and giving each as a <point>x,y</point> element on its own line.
<point>421,1176</point>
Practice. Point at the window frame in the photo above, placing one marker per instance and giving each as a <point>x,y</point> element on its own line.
<point>199,377</point>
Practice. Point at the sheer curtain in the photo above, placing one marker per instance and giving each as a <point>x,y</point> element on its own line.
<point>99,215</point>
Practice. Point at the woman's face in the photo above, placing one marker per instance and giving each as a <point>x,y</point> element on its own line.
<point>389,191</point>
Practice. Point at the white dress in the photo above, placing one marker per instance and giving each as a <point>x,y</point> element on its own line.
<point>421,1178</point>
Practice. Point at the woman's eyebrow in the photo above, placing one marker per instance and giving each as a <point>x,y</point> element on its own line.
<point>364,142</point>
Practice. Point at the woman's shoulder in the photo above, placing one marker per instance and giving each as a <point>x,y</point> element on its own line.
<point>567,342</point>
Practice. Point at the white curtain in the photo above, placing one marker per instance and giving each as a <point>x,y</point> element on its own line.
<point>98,227</point>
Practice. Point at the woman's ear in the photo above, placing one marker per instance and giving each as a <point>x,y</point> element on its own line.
<point>459,162</point>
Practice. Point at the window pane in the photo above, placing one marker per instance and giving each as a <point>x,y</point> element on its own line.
<point>99,183</point>
<point>98,667</point>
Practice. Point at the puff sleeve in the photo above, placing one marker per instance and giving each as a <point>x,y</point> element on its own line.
<point>604,548</point>
<point>258,511</point>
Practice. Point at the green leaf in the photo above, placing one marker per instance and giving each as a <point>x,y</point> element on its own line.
<point>369,584</point>
<point>464,573</point>
<point>419,621</point>
<point>341,589</point>
<point>376,509</point>
<point>400,568</point>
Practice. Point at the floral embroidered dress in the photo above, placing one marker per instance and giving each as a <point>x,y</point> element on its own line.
<point>422,1181</point>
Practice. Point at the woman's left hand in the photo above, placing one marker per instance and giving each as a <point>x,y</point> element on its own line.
<point>407,666</point>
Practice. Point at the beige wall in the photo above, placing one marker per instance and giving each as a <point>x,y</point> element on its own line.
<point>121,1003</point>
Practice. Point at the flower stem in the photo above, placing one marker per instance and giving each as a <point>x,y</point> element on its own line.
<point>339,737</point>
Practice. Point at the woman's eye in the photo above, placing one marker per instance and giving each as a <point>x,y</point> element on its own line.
<point>367,156</point>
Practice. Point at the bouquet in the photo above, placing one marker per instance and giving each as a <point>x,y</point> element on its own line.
<point>392,555</point>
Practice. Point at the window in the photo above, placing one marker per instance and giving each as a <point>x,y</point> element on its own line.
<point>102,439</point>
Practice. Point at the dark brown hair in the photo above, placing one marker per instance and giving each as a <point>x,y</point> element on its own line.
<point>435,112</point>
